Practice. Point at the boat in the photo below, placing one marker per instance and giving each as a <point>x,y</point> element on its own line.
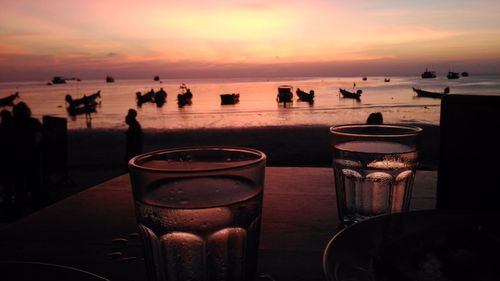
<point>9,100</point>
<point>58,80</point>
<point>160,97</point>
<point>465,74</point>
<point>365,78</point>
<point>304,96</point>
<point>90,99</point>
<point>453,75</point>
<point>429,94</point>
<point>229,98</point>
<point>85,104</point>
<point>387,80</point>
<point>284,94</point>
<point>81,109</point>
<point>185,96</point>
<point>428,74</point>
<point>147,97</point>
<point>110,79</point>
<point>156,78</point>
<point>351,95</point>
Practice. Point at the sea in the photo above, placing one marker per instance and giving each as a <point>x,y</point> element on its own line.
<point>257,106</point>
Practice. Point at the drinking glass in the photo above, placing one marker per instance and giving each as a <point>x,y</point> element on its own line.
<point>374,167</point>
<point>199,211</point>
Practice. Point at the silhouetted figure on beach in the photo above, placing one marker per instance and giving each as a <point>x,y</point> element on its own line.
<point>133,144</point>
<point>7,156</point>
<point>27,136</point>
<point>375,118</point>
<point>88,111</point>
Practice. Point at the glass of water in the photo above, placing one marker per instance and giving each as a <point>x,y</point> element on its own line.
<point>374,167</point>
<point>199,211</point>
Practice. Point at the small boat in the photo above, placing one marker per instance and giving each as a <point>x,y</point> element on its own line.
<point>147,97</point>
<point>58,80</point>
<point>160,97</point>
<point>453,75</point>
<point>465,74</point>
<point>304,96</point>
<point>110,79</point>
<point>285,94</point>
<point>429,94</point>
<point>387,80</point>
<point>85,104</point>
<point>185,96</point>
<point>428,74</point>
<point>229,98</point>
<point>364,78</point>
<point>351,95</point>
<point>81,109</point>
<point>156,78</point>
<point>9,100</point>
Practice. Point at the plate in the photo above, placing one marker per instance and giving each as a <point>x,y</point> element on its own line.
<point>422,245</point>
<point>24,271</point>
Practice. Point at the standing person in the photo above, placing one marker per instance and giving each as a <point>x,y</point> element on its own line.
<point>6,146</point>
<point>133,144</point>
<point>27,136</point>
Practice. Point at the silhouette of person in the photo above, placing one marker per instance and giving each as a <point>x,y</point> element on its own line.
<point>6,145</point>
<point>27,134</point>
<point>375,118</point>
<point>133,144</point>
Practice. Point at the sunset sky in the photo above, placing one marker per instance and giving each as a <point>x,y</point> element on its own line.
<point>232,38</point>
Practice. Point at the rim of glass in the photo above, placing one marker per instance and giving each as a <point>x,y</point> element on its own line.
<point>411,130</point>
<point>133,163</point>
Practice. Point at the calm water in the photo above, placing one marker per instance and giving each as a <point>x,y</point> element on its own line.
<point>257,106</point>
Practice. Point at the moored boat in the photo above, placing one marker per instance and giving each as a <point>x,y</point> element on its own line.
<point>160,97</point>
<point>9,100</point>
<point>285,94</point>
<point>146,97</point>
<point>229,98</point>
<point>185,96</point>
<point>58,80</point>
<point>304,96</point>
<point>351,95</point>
<point>453,75</point>
<point>110,79</point>
<point>429,94</point>
<point>83,105</point>
<point>428,74</point>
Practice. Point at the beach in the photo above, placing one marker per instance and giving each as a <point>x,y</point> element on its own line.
<point>96,155</point>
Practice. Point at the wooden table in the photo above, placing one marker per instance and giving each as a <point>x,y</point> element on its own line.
<point>299,218</point>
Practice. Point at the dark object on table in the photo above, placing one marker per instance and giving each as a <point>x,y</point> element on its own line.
<point>26,271</point>
<point>469,153</point>
<point>423,245</point>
